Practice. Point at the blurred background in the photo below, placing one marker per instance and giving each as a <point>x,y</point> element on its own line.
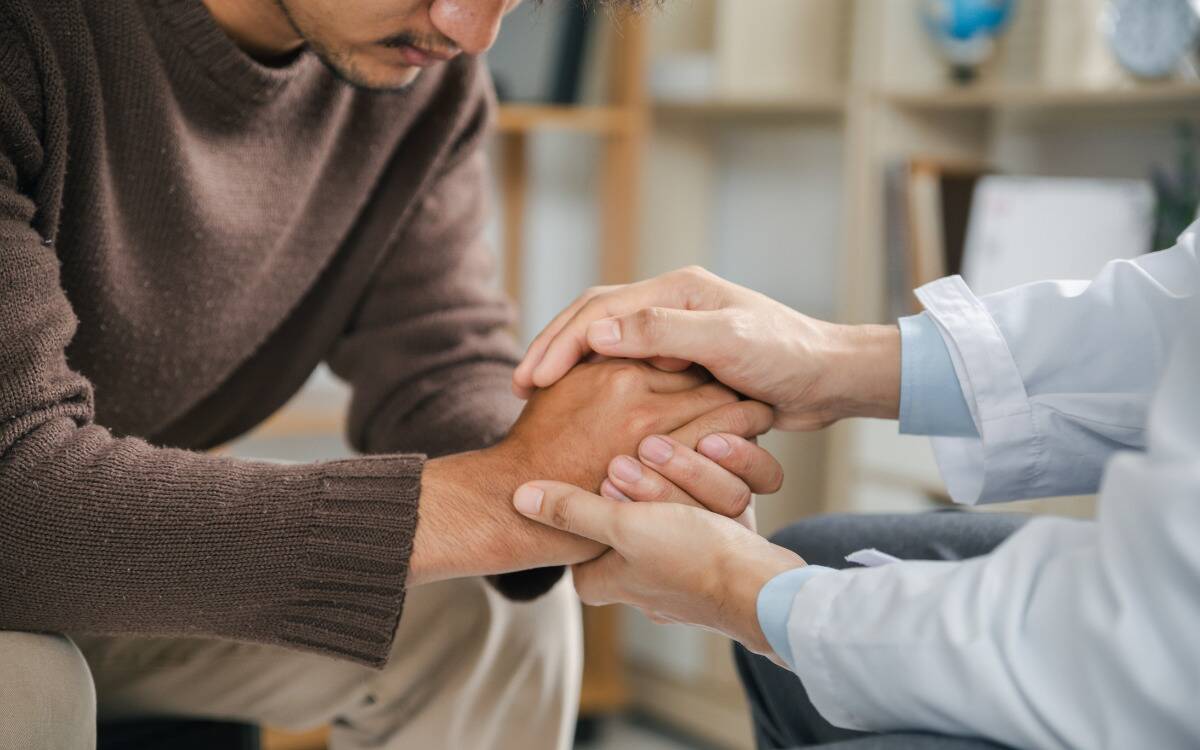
<point>833,154</point>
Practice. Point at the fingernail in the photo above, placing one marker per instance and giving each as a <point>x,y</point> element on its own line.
<point>715,446</point>
<point>609,490</point>
<point>656,450</point>
<point>604,332</point>
<point>528,500</point>
<point>626,469</point>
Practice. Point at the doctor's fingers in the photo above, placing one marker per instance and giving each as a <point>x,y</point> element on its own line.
<point>523,375</point>
<point>688,288</point>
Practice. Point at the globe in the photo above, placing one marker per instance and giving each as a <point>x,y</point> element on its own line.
<point>965,31</point>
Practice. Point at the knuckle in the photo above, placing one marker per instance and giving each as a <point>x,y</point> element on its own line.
<point>625,378</point>
<point>650,323</point>
<point>735,420</point>
<point>658,491</point>
<point>739,502</point>
<point>593,308</point>
<point>641,421</point>
<point>721,399</point>
<point>561,515</point>
<point>688,472</point>
<point>741,330</point>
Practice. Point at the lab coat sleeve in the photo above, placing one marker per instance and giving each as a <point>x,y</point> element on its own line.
<point>1058,374</point>
<point>1072,634</point>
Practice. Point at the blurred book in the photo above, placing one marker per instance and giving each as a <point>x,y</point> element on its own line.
<point>927,209</point>
<point>541,53</point>
<point>1025,229</point>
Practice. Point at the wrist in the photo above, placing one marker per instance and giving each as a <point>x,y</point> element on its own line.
<point>464,518</point>
<point>467,525</point>
<point>742,579</point>
<point>861,376</point>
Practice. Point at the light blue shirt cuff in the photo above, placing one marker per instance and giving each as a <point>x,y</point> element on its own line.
<point>775,607</point>
<point>931,399</point>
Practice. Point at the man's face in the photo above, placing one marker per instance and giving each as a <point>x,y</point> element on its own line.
<point>384,44</point>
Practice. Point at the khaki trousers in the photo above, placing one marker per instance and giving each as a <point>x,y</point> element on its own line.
<point>469,669</point>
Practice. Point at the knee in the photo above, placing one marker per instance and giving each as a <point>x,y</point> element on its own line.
<point>820,540</point>
<point>47,696</point>
<point>548,628</point>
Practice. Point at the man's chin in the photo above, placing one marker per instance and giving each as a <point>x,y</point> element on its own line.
<point>373,77</point>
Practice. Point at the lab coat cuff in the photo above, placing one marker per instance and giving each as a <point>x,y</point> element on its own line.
<point>810,636</point>
<point>1003,462</point>
<point>775,606</point>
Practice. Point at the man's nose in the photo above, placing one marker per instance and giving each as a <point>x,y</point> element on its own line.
<point>470,24</point>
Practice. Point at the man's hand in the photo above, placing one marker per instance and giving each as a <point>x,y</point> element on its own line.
<point>569,433</point>
<point>676,562</point>
<point>812,372</point>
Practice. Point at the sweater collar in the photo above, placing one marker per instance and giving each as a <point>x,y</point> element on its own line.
<point>224,60</point>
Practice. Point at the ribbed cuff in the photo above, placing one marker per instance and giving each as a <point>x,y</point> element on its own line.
<point>348,592</point>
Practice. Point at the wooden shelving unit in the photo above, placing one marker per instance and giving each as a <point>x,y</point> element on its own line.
<point>620,123</point>
<point>523,119</point>
<point>1040,98</point>
<point>729,109</point>
<point>1031,96</point>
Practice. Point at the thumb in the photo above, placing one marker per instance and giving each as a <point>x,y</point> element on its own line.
<point>568,508</point>
<point>660,332</point>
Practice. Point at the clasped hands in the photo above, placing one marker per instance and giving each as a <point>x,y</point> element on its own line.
<point>659,422</point>
<point>685,560</point>
<point>654,525</point>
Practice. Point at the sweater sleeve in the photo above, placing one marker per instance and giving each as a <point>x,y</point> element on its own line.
<point>430,353</point>
<point>100,534</point>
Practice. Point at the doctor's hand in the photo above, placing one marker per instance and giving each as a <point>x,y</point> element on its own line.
<point>812,372</point>
<point>675,562</point>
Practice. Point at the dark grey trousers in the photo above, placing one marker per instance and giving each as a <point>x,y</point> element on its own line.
<point>783,715</point>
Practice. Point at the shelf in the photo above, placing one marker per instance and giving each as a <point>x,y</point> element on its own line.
<point>830,104</point>
<point>524,118</point>
<point>1035,97</point>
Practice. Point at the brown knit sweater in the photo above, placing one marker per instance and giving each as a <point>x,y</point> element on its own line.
<point>184,235</point>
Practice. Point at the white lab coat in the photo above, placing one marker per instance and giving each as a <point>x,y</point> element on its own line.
<point>1072,634</point>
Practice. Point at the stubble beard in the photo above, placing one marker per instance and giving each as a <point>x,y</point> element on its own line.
<point>338,62</point>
